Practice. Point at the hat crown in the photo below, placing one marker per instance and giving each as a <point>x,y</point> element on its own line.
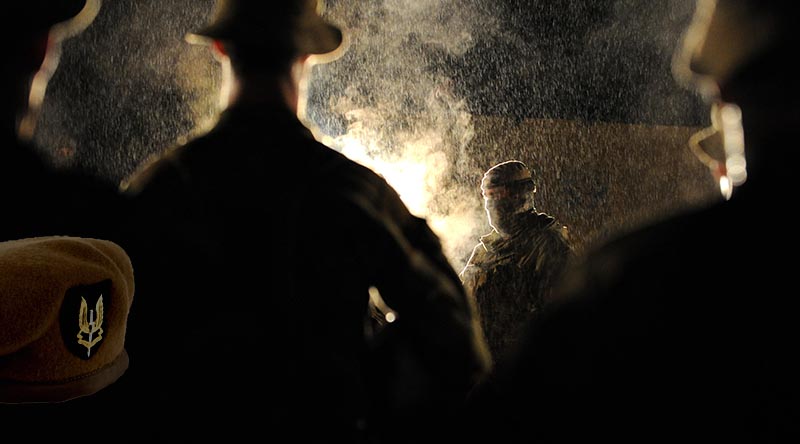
<point>261,10</point>
<point>42,13</point>
<point>285,24</point>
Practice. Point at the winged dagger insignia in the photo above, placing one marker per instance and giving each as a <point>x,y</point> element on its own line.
<point>91,325</point>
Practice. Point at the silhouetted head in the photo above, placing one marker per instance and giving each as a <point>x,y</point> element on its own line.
<point>739,54</point>
<point>727,38</point>
<point>264,46</point>
<point>29,37</point>
<point>269,35</point>
<point>508,190</point>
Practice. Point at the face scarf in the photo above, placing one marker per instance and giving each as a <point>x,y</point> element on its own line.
<point>503,206</point>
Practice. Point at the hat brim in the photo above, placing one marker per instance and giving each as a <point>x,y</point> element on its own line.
<point>62,11</point>
<point>49,392</point>
<point>315,37</point>
<point>323,39</point>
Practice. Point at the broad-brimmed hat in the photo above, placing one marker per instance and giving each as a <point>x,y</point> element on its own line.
<point>296,25</point>
<point>727,35</point>
<point>41,14</point>
<point>511,174</point>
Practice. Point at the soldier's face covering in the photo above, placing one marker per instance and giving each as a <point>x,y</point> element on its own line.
<point>503,206</point>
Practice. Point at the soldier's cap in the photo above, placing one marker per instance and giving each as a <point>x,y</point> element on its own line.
<point>511,174</point>
<point>295,25</point>
<point>727,35</point>
<point>64,305</point>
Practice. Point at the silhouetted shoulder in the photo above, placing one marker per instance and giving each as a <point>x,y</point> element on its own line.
<point>257,148</point>
<point>664,317</point>
<point>639,254</point>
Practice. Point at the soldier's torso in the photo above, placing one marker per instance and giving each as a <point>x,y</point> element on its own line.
<point>505,276</point>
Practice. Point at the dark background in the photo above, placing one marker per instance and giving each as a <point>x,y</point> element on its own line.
<point>578,87</point>
<point>595,60</point>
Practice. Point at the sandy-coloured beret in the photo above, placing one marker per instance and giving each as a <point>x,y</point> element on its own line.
<point>64,304</point>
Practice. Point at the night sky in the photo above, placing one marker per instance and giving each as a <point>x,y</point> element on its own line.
<point>595,60</point>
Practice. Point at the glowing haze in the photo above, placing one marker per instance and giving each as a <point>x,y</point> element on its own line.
<point>388,105</point>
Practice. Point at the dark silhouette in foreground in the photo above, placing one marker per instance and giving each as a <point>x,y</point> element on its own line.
<point>39,200</point>
<point>258,251</point>
<point>53,252</point>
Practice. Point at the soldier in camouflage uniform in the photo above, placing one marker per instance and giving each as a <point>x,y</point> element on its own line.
<point>683,327</point>
<point>512,269</point>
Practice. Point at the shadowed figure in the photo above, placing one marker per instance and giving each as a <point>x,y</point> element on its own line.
<point>686,328</point>
<point>512,269</point>
<point>258,249</point>
<point>38,199</point>
<point>60,358</point>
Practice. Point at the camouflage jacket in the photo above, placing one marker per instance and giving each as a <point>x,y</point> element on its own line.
<point>510,278</point>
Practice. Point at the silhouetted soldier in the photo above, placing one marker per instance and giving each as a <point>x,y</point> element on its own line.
<point>512,269</point>
<point>687,329</point>
<point>37,199</point>
<point>258,249</point>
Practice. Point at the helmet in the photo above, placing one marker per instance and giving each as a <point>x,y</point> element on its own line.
<point>510,174</point>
